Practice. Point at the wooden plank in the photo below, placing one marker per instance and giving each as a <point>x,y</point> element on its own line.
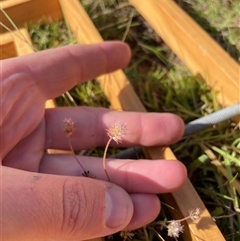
<point>201,54</point>
<point>7,48</point>
<point>122,96</point>
<point>23,11</point>
<point>23,46</point>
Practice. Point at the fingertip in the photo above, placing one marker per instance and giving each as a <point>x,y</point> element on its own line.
<point>146,210</point>
<point>175,175</point>
<point>181,126</point>
<point>159,129</point>
<point>175,127</point>
<point>118,52</point>
<point>181,172</point>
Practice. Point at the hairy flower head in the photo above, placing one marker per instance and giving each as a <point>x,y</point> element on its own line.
<point>194,214</point>
<point>174,228</point>
<point>68,127</point>
<point>126,235</point>
<point>117,131</point>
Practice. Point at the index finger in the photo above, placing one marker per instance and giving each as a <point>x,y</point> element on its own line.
<point>57,70</point>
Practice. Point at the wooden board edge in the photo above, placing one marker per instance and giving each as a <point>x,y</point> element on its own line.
<point>201,54</point>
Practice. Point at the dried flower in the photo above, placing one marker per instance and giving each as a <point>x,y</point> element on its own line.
<point>194,214</point>
<point>117,131</point>
<point>68,127</point>
<point>174,228</point>
<point>126,235</point>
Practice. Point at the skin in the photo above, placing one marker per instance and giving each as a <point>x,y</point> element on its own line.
<point>44,196</point>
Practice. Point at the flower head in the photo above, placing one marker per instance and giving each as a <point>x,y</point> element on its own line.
<point>117,131</point>
<point>174,228</point>
<point>126,235</point>
<point>194,214</point>
<point>68,127</point>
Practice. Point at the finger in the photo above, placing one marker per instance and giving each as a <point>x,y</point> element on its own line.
<point>138,176</point>
<point>146,209</point>
<point>44,207</point>
<point>147,129</point>
<point>57,70</point>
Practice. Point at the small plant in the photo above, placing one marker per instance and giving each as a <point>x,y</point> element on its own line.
<point>69,129</point>
<point>174,227</point>
<point>115,132</point>
<point>126,235</point>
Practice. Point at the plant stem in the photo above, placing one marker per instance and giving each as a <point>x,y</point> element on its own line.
<point>70,145</point>
<point>230,178</point>
<point>104,158</point>
<point>224,154</point>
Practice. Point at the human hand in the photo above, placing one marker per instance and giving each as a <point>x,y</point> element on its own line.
<point>44,196</point>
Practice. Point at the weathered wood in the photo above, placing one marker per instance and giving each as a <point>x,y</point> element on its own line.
<point>201,54</point>
<point>122,96</point>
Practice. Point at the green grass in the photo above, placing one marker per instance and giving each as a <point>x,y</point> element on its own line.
<point>164,84</point>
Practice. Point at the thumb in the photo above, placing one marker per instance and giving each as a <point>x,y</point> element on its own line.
<point>38,206</point>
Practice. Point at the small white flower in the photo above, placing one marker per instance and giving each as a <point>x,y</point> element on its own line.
<point>194,214</point>
<point>126,235</point>
<point>174,228</point>
<point>117,131</point>
<point>69,126</point>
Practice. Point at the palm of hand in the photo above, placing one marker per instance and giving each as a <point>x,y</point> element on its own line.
<point>27,130</point>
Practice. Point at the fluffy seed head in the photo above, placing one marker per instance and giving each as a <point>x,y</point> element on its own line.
<point>68,126</point>
<point>174,228</point>
<point>195,213</point>
<point>117,131</point>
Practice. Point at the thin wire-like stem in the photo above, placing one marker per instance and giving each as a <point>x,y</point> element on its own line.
<point>20,37</point>
<point>13,24</point>
<point>146,234</point>
<point>225,216</point>
<point>104,158</point>
<point>128,26</point>
<point>70,145</point>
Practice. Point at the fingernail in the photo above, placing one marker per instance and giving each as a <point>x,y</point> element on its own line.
<point>119,207</point>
